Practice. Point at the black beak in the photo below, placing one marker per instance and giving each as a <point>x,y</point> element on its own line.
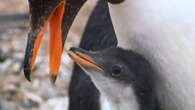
<point>84,58</point>
<point>59,16</point>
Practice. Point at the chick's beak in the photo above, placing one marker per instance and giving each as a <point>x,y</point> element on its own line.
<point>41,18</point>
<point>83,58</point>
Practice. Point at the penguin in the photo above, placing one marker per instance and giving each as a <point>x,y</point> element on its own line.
<point>125,78</point>
<point>162,31</point>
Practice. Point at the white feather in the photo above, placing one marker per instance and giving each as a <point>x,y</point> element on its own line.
<point>164,32</point>
<point>104,103</point>
<point>114,95</point>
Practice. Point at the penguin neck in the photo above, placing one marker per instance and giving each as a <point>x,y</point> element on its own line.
<point>125,100</point>
<point>128,99</point>
<point>117,96</point>
<point>163,32</point>
<point>122,105</point>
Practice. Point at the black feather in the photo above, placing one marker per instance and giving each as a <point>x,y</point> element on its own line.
<point>99,34</point>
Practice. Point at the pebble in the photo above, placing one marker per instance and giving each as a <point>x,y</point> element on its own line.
<point>55,104</point>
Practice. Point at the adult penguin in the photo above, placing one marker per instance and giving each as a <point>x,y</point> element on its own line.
<point>162,31</point>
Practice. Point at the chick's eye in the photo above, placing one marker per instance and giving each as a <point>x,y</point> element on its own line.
<point>116,70</point>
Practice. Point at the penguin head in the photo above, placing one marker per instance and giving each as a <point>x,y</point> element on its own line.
<point>114,67</point>
<point>123,76</point>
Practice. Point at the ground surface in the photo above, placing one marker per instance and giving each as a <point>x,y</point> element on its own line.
<point>15,92</point>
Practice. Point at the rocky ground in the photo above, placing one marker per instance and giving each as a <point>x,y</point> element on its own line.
<point>15,92</point>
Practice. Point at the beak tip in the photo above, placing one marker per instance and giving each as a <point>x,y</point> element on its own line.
<point>53,78</point>
<point>27,74</point>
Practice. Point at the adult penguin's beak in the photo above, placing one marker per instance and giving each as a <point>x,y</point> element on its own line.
<point>58,15</point>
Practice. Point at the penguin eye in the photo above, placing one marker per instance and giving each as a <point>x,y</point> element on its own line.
<point>116,70</point>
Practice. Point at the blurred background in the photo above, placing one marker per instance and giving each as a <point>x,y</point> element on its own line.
<point>16,93</point>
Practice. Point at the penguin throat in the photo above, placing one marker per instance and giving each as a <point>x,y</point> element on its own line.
<point>117,95</point>
<point>125,100</point>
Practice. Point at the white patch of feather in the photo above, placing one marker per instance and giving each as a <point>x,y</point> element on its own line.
<point>118,95</point>
<point>104,103</point>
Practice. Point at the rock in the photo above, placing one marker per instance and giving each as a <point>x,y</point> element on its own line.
<point>2,57</point>
<point>8,105</point>
<point>31,100</point>
<point>46,90</point>
<point>55,104</point>
<point>4,67</point>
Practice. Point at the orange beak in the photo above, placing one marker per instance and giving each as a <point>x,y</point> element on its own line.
<point>58,15</point>
<point>54,22</point>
